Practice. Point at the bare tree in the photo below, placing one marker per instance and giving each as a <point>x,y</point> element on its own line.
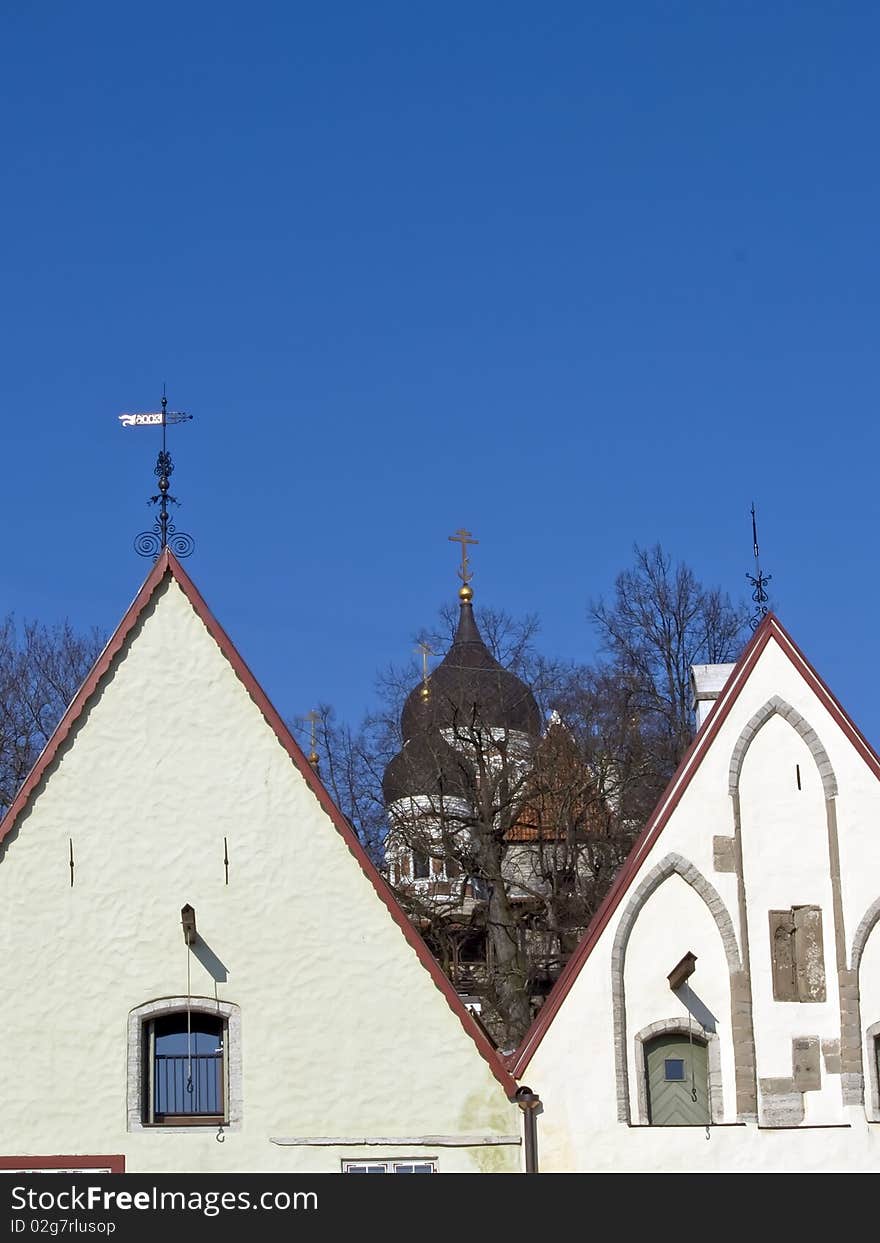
<point>661,621</point>
<point>41,668</point>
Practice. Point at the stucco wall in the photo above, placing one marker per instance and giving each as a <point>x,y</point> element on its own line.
<point>343,1032</point>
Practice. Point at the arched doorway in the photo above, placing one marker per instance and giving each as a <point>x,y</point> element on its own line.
<point>677,1080</point>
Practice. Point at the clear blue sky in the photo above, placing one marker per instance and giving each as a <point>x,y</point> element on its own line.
<point>570,275</point>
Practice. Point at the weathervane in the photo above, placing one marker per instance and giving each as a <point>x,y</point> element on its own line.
<point>464,538</point>
<point>758,580</point>
<point>164,533</point>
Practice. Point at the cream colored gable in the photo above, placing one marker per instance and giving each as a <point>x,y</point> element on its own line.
<point>171,769</point>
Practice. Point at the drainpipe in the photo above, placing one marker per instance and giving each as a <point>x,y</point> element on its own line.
<point>530,1103</point>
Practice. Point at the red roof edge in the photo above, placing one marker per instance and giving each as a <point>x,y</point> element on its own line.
<point>770,627</point>
<point>167,564</point>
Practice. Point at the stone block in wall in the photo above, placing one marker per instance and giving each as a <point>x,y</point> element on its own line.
<point>805,1063</point>
<point>810,953</point>
<point>723,854</point>
<point>781,1103</point>
<point>831,1054</point>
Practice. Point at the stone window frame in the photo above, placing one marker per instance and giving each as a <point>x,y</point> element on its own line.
<point>139,1018</point>
<point>680,1027</point>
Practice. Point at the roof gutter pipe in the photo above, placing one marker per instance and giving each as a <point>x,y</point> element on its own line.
<point>530,1103</point>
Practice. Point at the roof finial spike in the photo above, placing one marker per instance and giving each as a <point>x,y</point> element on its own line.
<point>164,533</point>
<point>463,537</point>
<point>758,580</point>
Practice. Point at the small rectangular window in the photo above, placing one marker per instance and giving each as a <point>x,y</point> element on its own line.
<point>421,865</point>
<point>674,1069</point>
<point>390,1167</point>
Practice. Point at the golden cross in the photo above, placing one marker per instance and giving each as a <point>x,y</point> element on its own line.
<point>426,651</point>
<point>464,538</point>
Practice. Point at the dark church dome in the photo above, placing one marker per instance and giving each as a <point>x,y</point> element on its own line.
<point>470,688</point>
<point>428,766</point>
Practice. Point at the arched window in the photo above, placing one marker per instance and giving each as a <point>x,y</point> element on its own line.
<point>677,1080</point>
<point>184,1064</point>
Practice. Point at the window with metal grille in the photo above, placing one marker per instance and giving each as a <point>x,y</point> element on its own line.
<point>185,1069</point>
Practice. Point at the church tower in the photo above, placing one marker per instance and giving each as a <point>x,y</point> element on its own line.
<point>469,732</point>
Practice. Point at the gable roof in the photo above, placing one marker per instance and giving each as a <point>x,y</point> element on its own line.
<point>771,629</point>
<point>167,566</point>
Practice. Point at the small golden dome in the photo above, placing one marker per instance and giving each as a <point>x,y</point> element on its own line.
<point>466,593</point>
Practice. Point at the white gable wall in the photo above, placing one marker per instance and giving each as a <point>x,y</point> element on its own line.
<point>786,862</point>
<point>343,1031</point>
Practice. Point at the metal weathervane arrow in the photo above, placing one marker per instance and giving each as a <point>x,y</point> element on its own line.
<point>164,533</point>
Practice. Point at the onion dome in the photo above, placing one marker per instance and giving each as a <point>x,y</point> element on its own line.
<point>470,687</point>
<point>427,766</point>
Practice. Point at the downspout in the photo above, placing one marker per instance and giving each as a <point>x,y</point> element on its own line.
<point>530,1103</point>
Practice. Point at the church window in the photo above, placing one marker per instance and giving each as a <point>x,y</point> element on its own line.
<point>421,865</point>
<point>798,960</point>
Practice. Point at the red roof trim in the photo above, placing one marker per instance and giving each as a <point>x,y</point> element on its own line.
<point>115,1164</point>
<point>167,564</point>
<point>770,628</point>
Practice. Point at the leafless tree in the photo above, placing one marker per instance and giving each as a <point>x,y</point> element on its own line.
<point>41,668</point>
<point>661,621</point>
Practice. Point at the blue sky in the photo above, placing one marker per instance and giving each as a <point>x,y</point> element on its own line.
<point>573,276</point>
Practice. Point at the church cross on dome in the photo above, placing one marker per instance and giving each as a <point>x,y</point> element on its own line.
<point>426,650</point>
<point>465,573</point>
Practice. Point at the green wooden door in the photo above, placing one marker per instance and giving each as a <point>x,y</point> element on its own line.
<point>675,1068</point>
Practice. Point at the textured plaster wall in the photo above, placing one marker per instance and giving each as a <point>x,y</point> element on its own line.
<point>786,862</point>
<point>343,1033</point>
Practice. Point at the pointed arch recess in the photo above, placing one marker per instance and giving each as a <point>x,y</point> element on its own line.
<point>779,707</point>
<point>864,930</point>
<point>672,864</point>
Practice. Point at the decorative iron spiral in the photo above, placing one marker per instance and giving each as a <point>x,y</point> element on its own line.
<point>149,543</point>
<point>755,621</point>
<point>180,543</point>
